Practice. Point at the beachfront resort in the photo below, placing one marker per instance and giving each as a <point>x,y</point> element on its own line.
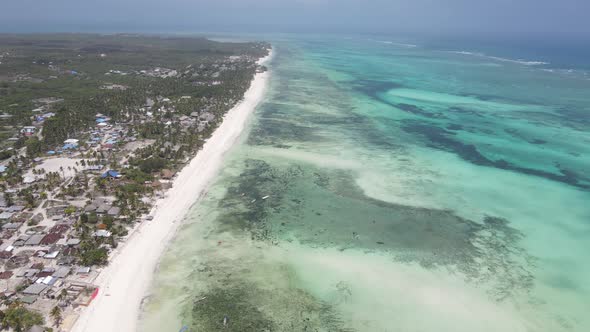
<point>95,130</point>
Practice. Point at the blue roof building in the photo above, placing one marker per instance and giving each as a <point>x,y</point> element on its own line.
<point>69,146</point>
<point>110,174</point>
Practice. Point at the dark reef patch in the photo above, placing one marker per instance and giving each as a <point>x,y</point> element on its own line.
<point>210,309</point>
<point>464,111</point>
<point>373,88</point>
<point>413,109</point>
<point>326,209</point>
<point>268,129</point>
<point>440,138</point>
<point>250,304</point>
<point>575,116</point>
<point>538,141</point>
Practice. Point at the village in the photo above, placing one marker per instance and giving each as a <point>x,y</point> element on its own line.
<point>66,206</point>
<point>57,235</point>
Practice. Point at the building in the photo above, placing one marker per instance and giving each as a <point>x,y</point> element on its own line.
<point>16,208</point>
<point>28,131</point>
<point>102,233</point>
<point>114,211</point>
<point>35,289</point>
<point>112,174</point>
<point>167,174</point>
<point>34,240</point>
<point>72,142</point>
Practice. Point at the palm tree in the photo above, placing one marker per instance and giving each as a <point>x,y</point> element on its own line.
<point>56,315</point>
<point>63,294</point>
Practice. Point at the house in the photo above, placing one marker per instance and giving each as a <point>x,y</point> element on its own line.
<point>29,179</point>
<point>34,240</point>
<point>90,208</point>
<point>102,209</point>
<point>28,131</point>
<point>73,242</point>
<point>16,208</point>
<point>102,233</point>
<point>35,289</point>
<point>83,270</point>
<point>20,241</point>
<point>29,299</point>
<point>207,117</point>
<point>167,174</point>
<point>114,211</point>
<point>6,216</point>
<point>93,168</point>
<point>11,226</point>
<point>2,169</point>
<point>111,174</point>
<point>51,238</point>
<point>48,280</point>
<point>62,272</point>
<point>69,147</point>
<point>51,255</point>
<point>30,273</point>
<point>56,210</point>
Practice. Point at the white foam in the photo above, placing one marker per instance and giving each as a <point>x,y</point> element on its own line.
<point>518,61</point>
<point>394,43</point>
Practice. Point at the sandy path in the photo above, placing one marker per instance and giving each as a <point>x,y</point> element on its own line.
<point>126,280</point>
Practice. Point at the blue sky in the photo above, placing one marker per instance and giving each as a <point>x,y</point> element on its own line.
<point>496,18</point>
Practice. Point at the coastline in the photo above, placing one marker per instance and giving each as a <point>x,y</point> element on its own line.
<point>124,283</point>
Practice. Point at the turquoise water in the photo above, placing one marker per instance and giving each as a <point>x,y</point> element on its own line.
<point>409,189</point>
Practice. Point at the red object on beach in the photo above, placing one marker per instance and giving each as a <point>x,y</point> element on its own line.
<point>94,294</point>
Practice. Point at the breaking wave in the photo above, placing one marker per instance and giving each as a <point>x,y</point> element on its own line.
<point>394,43</point>
<point>519,61</point>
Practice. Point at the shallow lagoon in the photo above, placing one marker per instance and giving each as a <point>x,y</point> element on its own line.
<point>409,190</point>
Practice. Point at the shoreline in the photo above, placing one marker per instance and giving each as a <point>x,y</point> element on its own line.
<point>125,282</point>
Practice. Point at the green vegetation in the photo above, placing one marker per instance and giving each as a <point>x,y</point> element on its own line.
<point>76,76</point>
<point>21,319</point>
<point>153,164</point>
<point>91,255</point>
<point>56,315</point>
<point>136,107</point>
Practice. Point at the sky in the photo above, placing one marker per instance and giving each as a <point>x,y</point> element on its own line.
<point>553,19</point>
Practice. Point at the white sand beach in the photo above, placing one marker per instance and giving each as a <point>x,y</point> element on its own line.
<point>125,281</point>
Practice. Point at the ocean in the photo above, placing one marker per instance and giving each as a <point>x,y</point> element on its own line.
<point>394,186</point>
